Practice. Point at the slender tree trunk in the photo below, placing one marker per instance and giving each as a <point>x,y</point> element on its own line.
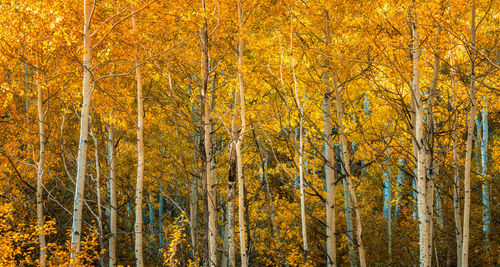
<point>112,197</point>
<point>456,180</point>
<point>138,228</point>
<point>230,206</point>
<point>212,194</point>
<point>225,232</point>
<point>429,152</point>
<point>209,186</point>
<point>40,171</point>
<point>347,167</point>
<point>348,220</point>
<point>331,252</point>
<point>486,194</point>
<point>230,218</point>
<point>76,230</point>
<point>233,173</point>
<point>193,203</point>
<point>301,148</point>
<point>193,206</point>
<point>99,202</point>
<point>242,132</point>
<point>468,149</point>
<point>420,155</point>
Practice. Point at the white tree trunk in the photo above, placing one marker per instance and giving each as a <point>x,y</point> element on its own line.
<point>456,180</point>
<point>112,197</point>
<point>347,166</point>
<point>301,149</point>
<point>429,153</point>
<point>209,182</point>
<point>98,193</point>
<point>468,149</point>
<point>331,252</point>
<point>138,227</point>
<point>40,171</point>
<point>239,159</point>
<point>76,230</point>
<point>348,221</point>
<point>420,148</point>
<point>193,203</point>
<point>230,219</point>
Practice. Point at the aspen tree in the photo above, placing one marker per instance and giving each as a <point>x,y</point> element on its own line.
<point>419,149</point>
<point>456,181</point>
<point>138,227</point>
<point>429,152</point>
<point>112,196</point>
<point>206,145</point>
<point>241,135</point>
<point>301,147</point>
<point>470,133</point>
<point>76,230</point>
<point>486,183</point>
<point>347,167</point>
<point>40,171</point>
<point>331,255</point>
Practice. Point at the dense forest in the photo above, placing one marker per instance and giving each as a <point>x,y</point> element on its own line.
<point>249,133</point>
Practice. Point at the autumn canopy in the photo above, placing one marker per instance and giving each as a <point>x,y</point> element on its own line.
<point>249,133</point>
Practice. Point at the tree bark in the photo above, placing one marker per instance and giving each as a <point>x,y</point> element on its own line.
<point>456,180</point>
<point>112,197</point>
<point>301,149</point>
<point>99,202</point>
<point>468,149</point>
<point>347,167</point>
<point>193,205</point>
<point>230,206</point>
<point>241,135</point>
<point>420,148</point>
<point>331,252</point>
<point>138,227</point>
<point>210,198</point>
<point>76,230</point>
<point>429,152</point>
<point>40,171</point>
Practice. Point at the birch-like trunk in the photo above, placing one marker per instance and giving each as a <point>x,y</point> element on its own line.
<point>193,206</point>
<point>347,167</point>
<point>112,197</point>
<point>232,177</point>
<point>420,148</point>
<point>301,148</point>
<point>486,186</point>
<point>231,191</point>
<point>239,159</point>
<point>99,202</point>
<point>468,149</point>
<point>456,180</point>
<point>230,219</point>
<point>348,221</point>
<point>193,203</point>
<point>429,152</point>
<point>210,196</point>
<point>138,227</point>
<point>331,252</point>
<point>76,229</point>
<point>40,171</point>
